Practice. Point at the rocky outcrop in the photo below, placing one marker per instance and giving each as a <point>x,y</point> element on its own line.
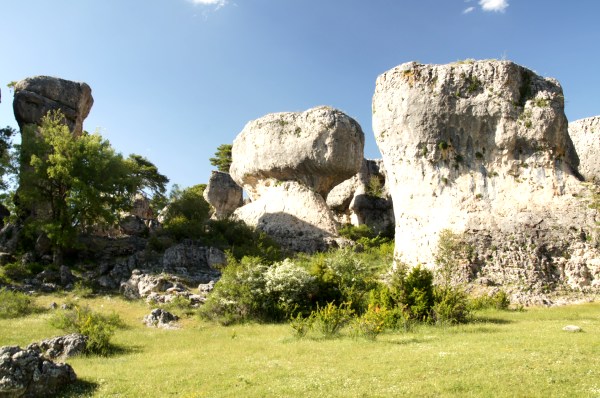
<point>36,96</point>
<point>223,194</point>
<point>364,199</point>
<point>482,149</point>
<point>160,318</point>
<point>288,163</point>
<point>585,134</point>
<point>61,347</point>
<point>25,373</point>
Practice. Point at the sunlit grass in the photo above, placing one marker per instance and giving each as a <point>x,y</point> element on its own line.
<point>503,354</point>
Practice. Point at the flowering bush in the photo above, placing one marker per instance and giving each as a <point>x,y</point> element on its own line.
<point>289,286</point>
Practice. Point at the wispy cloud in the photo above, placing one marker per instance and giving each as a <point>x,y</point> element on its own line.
<point>216,3</point>
<point>468,10</point>
<point>493,5</point>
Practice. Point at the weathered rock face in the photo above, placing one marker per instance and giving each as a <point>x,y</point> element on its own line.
<point>318,148</point>
<point>25,373</point>
<point>364,198</point>
<point>482,148</point>
<point>35,96</point>
<point>288,163</point>
<point>223,194</point>
<point>585,134</point>
<point>61,347</point>
<point>160,318</point>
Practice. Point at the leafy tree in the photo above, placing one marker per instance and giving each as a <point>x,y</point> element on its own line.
<point>222,159</point>
<point>6,166</point>
<point>70,184</point>
<point>187,212</point>
<point>145,174</point>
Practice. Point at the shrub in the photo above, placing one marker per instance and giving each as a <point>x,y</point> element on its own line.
<point>375,187</point>
<point>240,293</point>
<point>365,236</point>
<point>372,322</point>
<point>451,306</point>
<point>97,327</point>
<point>80,289</point>
<point>413,291</point>
<point>186,213</point>
<point>14,304</point>
<point>301,325</point>
<point>331,318</point>
<point>499,300</point>
<point>180,305</point>
<point>289,286</point>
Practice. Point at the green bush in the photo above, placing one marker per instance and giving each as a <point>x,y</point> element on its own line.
<point>330,319</point>
<point>301,324</point>
<point>413,291</point>
<point>186,213</point>
<point>179,305</point>
<point>289,287</point>
<point>14,304</point>
<point>451,306</point>
<point>365,236</point>
<point>372,322</point>
<point>97,327</point>
<point>499,300</point>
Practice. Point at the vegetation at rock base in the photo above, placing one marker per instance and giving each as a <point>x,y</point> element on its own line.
<point>252,360</point>
<point>222,159</point>
<point>69,185</point>
<point>15,304</point>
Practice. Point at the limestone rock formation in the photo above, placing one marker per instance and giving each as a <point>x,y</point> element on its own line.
<point>61,347</point>
<point>160,318</point>
<point>585,134</point>
<point>35,96</point>
<point>25,373</point>
<point>364,198</point>
<point>223,194</point>
<point>288,163</point>
<point>482,148</point>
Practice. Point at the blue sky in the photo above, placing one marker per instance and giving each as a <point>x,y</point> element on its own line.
<point>173,79</point>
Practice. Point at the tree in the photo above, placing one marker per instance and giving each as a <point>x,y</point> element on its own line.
<point>187,212</point>
<point>222,159</point>
<point>6,164</point>
<point>73,183</point>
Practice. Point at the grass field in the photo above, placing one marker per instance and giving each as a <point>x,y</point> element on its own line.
<point>503,354</point>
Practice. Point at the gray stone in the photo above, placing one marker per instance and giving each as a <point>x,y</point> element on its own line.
<point>585,134</point>
<point>61,347</point>
<point>161,319</point>
<point>36,96</point>
<point>25,373</point>
<point>482,149</point>
<point>223,194</point>
<point>572,329</point>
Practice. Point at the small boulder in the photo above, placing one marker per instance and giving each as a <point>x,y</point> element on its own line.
<point>160,318</point>
<point>61,347</point>
<point>223,194</point>
<point>572,329</point>
<point>26,373</point>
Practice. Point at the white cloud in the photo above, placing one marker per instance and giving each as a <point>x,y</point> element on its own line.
<point>493,5</point>
<point>468,10</point>
<point>217,3</point>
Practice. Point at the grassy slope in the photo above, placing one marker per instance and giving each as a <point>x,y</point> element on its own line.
<point>505,354</point>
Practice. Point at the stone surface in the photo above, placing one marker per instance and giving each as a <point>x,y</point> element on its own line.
<point>572,328</point>
<point>364,198</point>
<point>160,318</point>
<point>35,96</point>
<point>223,194</point>
<point>482,148</point>
<point>318,148</point>
<point>61,347</point>
<point>294,216</point>
<point>288,163</point>
<point>25,373</point>
<point>585,134</point>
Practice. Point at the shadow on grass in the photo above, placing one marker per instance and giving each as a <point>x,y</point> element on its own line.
<point>405,341</point>
<point>81,388</point>
<point>488,319</point>
<point>118,350</point>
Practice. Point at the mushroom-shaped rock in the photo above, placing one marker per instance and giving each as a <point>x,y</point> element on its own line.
<point>585,134</point>
<point>36,96</point>
<point>288,163</point>
<point>223,194</point>
<point>318,148</point>
<point>481,148</point>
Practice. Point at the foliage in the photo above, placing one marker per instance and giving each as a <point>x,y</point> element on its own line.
<point>375,187</point>
<point>71,184</point>
<point>97,327</point>
<point>14,304</point>
<point>498,300</point>
<point>240,293</point>
<point>301,324</point>
<point>241,240</point>
<point>222,159</point>
<point>6,158</point>
<point>372,322</point>
<point>187,212</point>
<point>413,291</point>
<point>330,318</point>
<point>451,306</point>
<point>145,174</point>
<point>365,236</point>
<point>81,289</point>
<point>17,271</point>
<point>179,305</point>
<point>289,286</point>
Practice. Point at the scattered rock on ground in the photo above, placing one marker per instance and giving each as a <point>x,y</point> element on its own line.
<point>161,319</point>
<point>26,373</point>
<point>61,347</point>
<point>572,328</point>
